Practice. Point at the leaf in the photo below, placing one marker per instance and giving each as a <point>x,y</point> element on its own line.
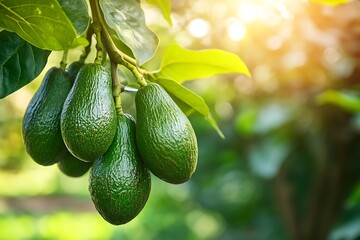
<point>42,23</point>
<point>20,62</point>
<point>119,44</point>
<point>164,6</point>
<point>349,101</point>
<point>127,19</point>
<point>330,2</point>
<point>77,12</point>
<point>182,65</point>
<point>190,99</point>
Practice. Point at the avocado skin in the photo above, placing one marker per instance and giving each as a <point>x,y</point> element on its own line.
<point>73,69</point>
<point>165,137</point>
<point>73,167</point>
<point>88,118</point>
<point>119,182</point>
<point>41,122</point>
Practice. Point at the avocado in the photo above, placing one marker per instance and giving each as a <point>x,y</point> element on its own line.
<point>119,183</point>
<point>165,138</point>
<point>41,123</point>
<point>73,167</point>
<point>88,118</point>
<point>73,69</point>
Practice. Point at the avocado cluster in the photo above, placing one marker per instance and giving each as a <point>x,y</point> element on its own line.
<point>72,121</point>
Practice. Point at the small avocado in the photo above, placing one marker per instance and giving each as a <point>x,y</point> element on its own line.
<point>41,123</point>
<point>119,182</point>
<point>88,118</point>
<point>73,167</point>
<point>73,69</point>
<point>165,138</point>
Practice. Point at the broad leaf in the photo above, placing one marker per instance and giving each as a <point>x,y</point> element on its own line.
<point>349,101</point>
<point>119,44</point>
<point>330,2</point>
<point>190,99</point>
<point>182,65</point>
<point>127,19</point>
<point>77,12</point>
<point>164,6</point>
<point>42,23</point>
<point>20,62</point>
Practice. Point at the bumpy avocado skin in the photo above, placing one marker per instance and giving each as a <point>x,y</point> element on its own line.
<point>119,182</point>
<point>88,118</point>
<point>41,122</point>
<point>73,167</point>
<point>165,137</point>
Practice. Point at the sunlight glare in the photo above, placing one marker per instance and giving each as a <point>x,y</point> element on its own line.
<point>262,10</point>
<point>198,28</point>
<point>236,30</point>
<point>247,12</point>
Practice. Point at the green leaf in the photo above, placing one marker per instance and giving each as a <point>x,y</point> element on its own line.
<point>42,23</point>
<point>182,65</point>
<point>330,2</point>
<point>190,99</point>
<point>349,101</point>
<point>119,44</point>
<point>20,62</point>
<point>127,19</point>
<point>164,6</point>
<point>77,12</point>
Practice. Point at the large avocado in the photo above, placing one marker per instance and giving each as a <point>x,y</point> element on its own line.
<point>88,118</point>
<point>41,123</point>
<point>165,137</point>
<point>119,182</point>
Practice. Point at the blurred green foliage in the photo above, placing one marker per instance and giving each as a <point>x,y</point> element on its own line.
<point>288,168</point>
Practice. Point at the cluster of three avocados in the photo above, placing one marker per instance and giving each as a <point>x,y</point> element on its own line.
<point>72,121</point>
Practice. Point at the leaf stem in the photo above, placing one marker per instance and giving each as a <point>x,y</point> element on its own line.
<point>115,54</point>
<point>63,62</point>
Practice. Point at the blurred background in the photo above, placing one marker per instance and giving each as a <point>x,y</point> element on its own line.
<point>289,167</point>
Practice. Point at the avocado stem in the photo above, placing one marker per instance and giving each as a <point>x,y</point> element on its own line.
<point>115,54</point>
<point>63,62</point>
<point>117,87</point>
<point>99,45</point>
<point>89,34</point>
<point>118,106</point>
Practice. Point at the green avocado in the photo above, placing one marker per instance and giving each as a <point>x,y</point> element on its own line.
<point>41,123</point>
<point>165,137</point>
<point>88,118</point>
<point>119,181</point>
<point>73,167</point>
<point>73,69</point>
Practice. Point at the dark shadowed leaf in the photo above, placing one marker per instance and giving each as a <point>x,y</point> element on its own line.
<point>20,62</point>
